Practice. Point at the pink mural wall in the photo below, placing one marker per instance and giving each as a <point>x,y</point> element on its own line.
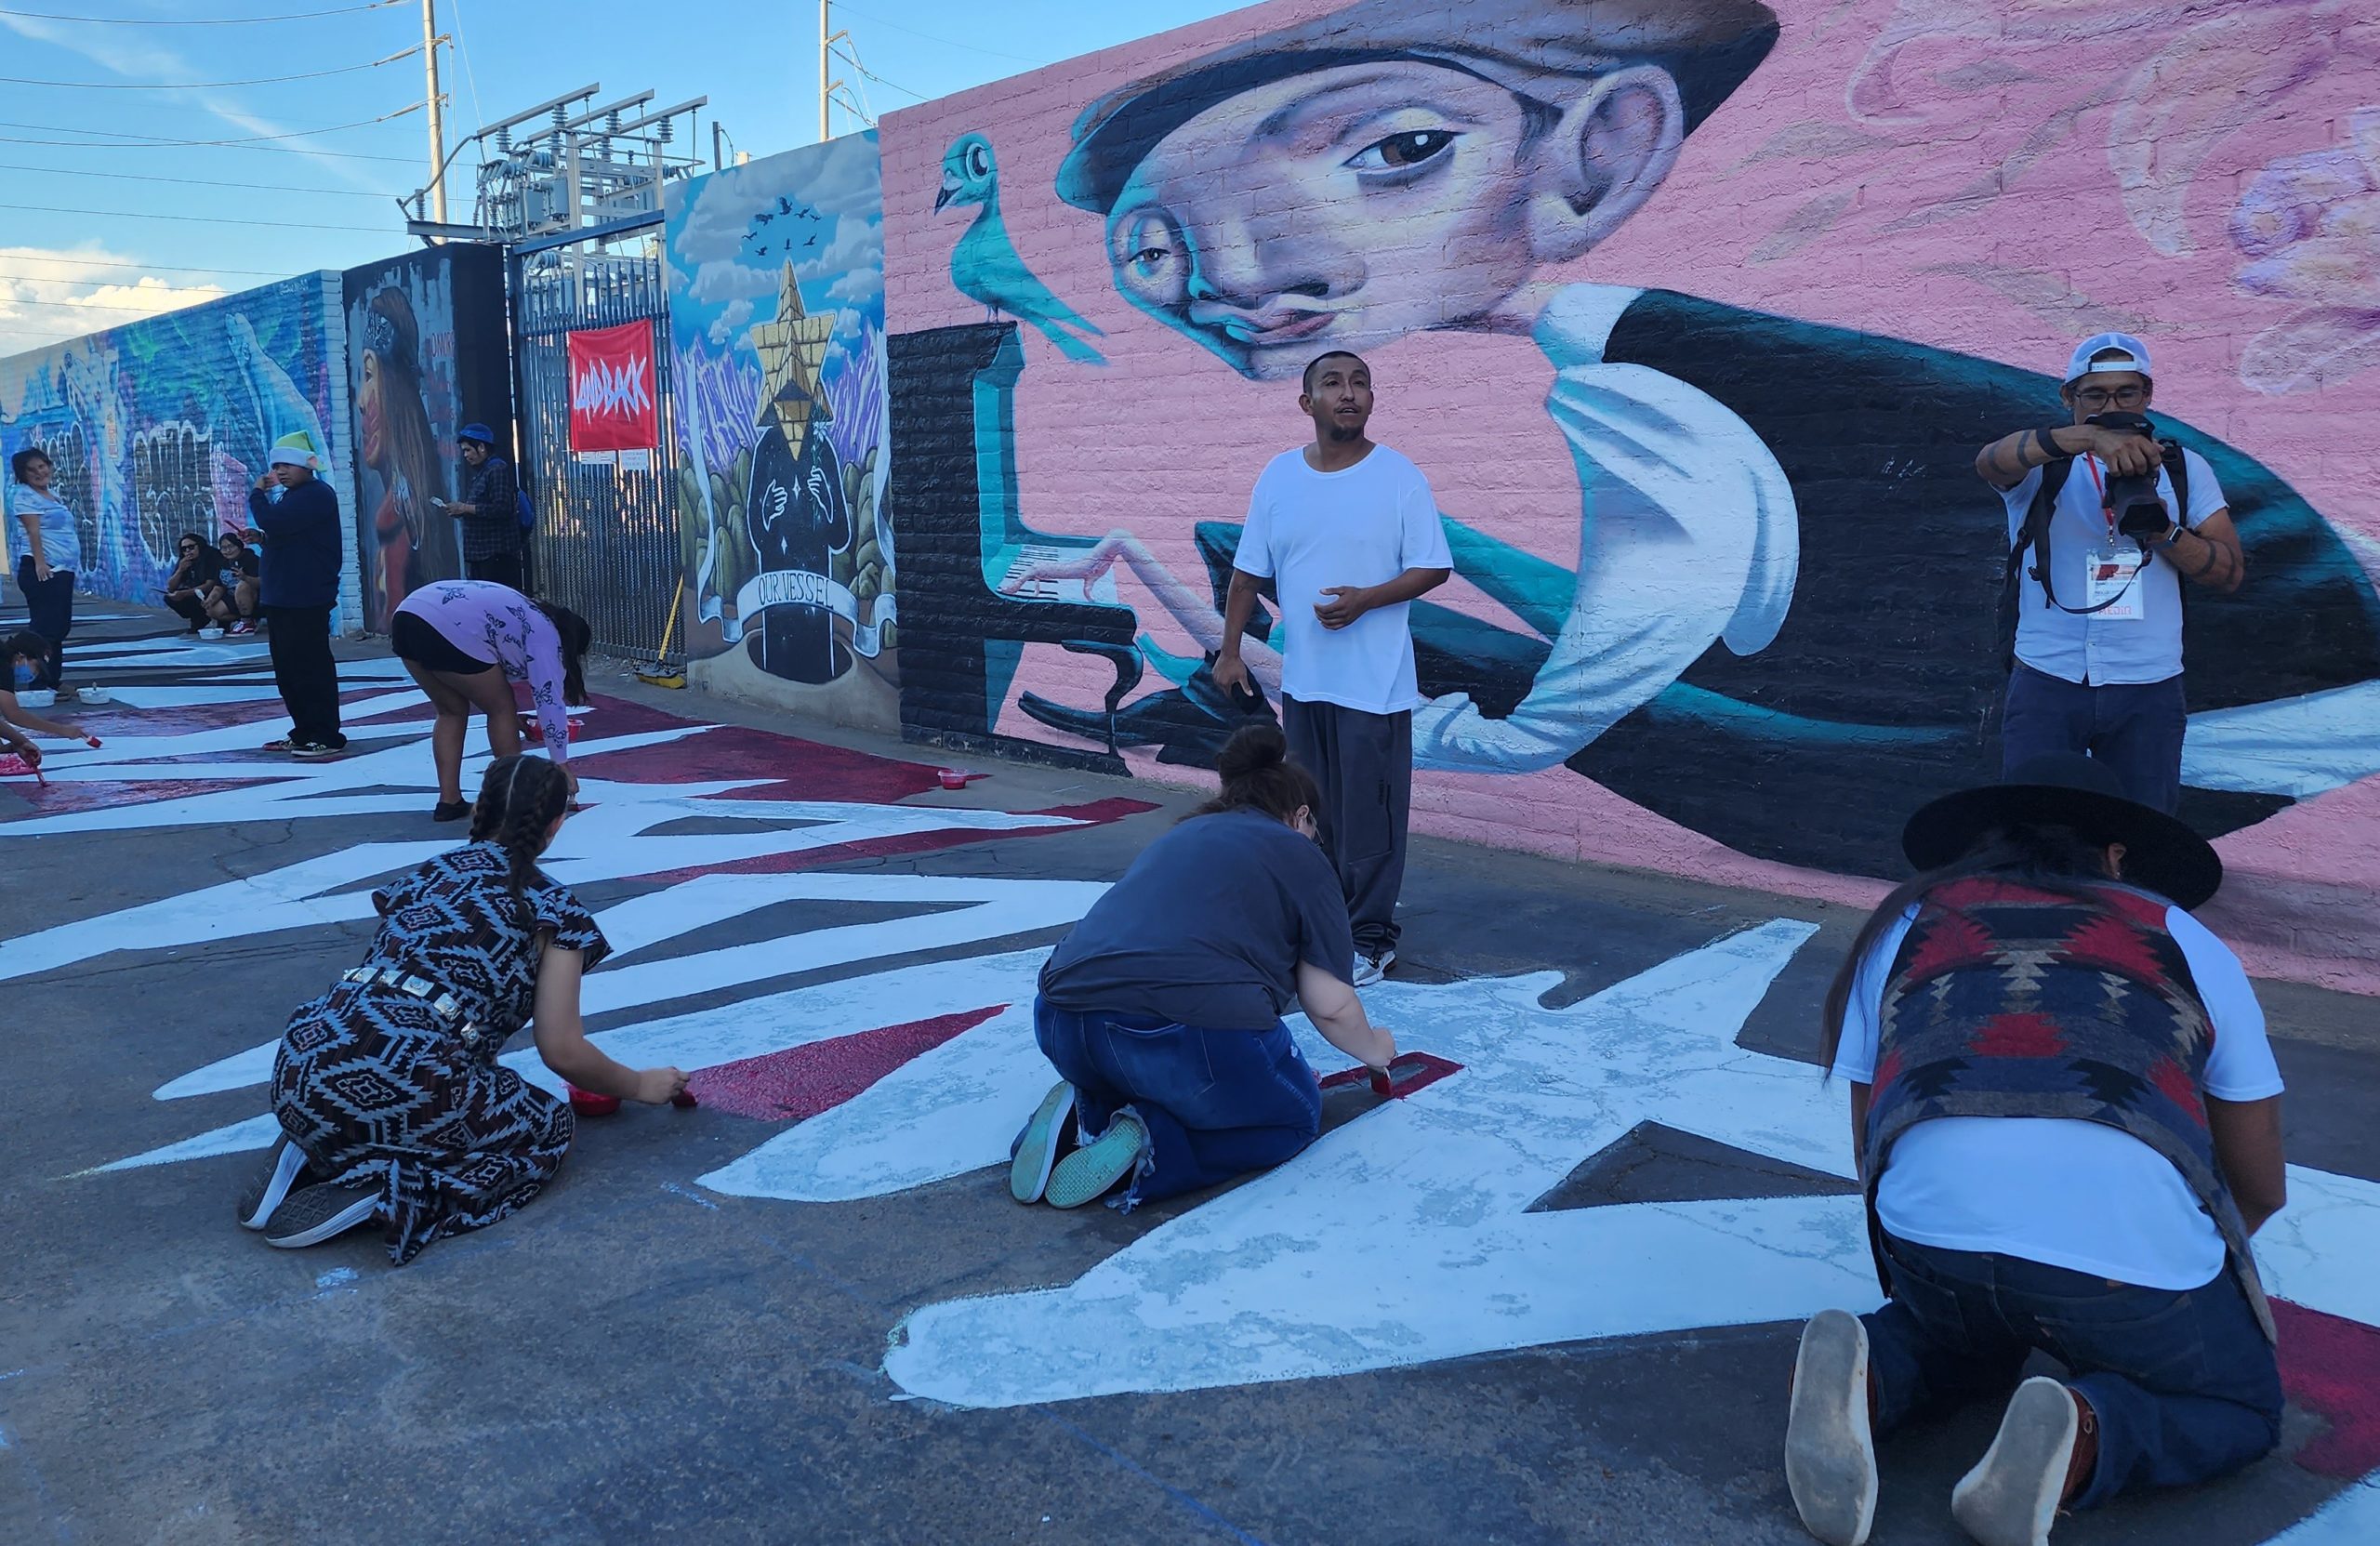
<point>1694,314</point>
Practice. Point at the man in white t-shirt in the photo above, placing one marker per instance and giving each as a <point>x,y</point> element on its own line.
<point>2098,664</point>
<point>2067,1118</point>
<point>1348,532</point>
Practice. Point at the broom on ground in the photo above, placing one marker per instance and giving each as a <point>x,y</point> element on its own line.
<point>660,673</point>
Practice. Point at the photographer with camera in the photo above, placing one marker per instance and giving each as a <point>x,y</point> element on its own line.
<point>2097,559</point>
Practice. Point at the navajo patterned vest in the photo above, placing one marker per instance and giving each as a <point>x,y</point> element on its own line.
<point>2005,1000</point>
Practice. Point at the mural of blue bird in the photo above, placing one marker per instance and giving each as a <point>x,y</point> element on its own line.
<point>985,264</point>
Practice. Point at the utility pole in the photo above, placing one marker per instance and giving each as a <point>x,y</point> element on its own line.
<point>828,37</point>
<point>436,113</point>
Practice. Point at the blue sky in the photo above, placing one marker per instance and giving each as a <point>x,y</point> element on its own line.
<point>82,245</point>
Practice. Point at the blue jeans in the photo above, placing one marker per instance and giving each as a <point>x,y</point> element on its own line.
<point>2136,728</point>
<point>2185,1385</point>
<point>49,610</point>
<point>1217,1103</point>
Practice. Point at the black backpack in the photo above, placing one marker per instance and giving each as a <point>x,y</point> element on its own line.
<point>2033,538</point>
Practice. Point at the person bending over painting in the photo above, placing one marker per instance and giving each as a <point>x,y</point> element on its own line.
<point>386,1086</point>
<point>2067,1120</point>
<point>27,652</point>
<point>1162,1009</point>
<point>467,643</point>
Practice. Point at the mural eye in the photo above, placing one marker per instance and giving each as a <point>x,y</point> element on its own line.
<point>1149,255</point>
<point>979,161</point>
<point>1399,153</point>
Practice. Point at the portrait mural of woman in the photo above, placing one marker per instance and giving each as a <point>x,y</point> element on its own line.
<point>408,539</point>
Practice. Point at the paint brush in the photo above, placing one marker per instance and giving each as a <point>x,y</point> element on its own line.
<point>1406,1073</point>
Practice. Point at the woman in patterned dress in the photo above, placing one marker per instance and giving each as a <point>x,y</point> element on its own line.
<point>466,642</point>
<point>388,1085</point>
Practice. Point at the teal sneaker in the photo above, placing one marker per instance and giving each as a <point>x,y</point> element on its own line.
<point>1037,1145</point>
<point>1092,1172</point>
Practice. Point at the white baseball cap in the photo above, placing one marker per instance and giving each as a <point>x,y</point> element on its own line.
<point>2080,365</point>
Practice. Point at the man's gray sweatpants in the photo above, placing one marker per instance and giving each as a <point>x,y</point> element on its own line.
<point>1365,765</point>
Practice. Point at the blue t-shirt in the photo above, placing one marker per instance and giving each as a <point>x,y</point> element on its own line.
<point>61,545</point>
<point>1208,927</point>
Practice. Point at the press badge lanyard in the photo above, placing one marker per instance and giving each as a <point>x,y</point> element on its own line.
<point>2109,574</point>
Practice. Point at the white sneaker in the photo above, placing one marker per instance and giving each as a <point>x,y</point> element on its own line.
<point>2011,1497</point>
<point>1830,1451</point>
<point>1372,969</point>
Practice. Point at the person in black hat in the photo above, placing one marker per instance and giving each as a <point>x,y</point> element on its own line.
<point>2069,1124</point>
<point>491,521</point>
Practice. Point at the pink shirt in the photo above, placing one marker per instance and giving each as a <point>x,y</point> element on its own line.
<point>497,624</point>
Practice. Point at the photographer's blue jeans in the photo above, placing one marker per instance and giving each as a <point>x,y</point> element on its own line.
<point>1218,1103</point>
<point>2136,728</point>
<point>2185,1385</point>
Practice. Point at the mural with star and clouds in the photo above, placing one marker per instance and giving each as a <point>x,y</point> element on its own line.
<point>776,299</point>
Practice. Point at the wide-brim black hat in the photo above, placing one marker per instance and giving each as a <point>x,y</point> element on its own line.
<point>1709,48</point>
<point>2070,790</point>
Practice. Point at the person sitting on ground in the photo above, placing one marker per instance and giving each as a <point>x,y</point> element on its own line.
<point>466,642</point>
<point>2068,1119</point>
<point>186,586</point>
<point>231,585</point>
<point>468,944</point>
<point>1162,1009</point>
<point>28,654</point>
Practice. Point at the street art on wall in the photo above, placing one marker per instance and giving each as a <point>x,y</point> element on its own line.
<point>428,354</point>
<point>1696,316</point>
<point>778,318</point>
<point>161,426</point>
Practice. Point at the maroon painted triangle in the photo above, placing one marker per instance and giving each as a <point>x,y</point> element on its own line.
<point>2331,1366</point>
<point>802,1081</point>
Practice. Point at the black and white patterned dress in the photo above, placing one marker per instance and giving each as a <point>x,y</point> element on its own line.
<point>371,1082</point>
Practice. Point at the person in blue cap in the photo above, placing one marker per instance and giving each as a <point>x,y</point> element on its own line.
<point>491,529</point>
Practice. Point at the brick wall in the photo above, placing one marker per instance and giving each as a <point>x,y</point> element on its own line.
<point>1696,329</point>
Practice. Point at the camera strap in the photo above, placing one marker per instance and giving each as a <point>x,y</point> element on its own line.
<point>2034,537</point>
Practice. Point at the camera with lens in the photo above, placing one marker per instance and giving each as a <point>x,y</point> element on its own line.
<point>2139,509</point>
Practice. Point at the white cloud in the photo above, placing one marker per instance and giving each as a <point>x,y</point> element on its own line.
<point>839,179</point>
<point>728,281</point>
<point>738,312</point>
<point>82,290</point>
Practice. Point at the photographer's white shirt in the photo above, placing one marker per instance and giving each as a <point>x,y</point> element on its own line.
<point>2140,638</point>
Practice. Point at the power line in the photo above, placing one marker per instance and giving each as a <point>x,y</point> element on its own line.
<point>196,20</point>
<point>11,302</point>
<point>190,219</point>
<point>196,182</point>
<point>933,37</point>
<point>208,85</point>
<point>102,263</point>
<point>852,61</point>
<point>246,142</point>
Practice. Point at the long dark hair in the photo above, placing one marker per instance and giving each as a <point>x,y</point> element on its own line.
<point>26,459</point>
<point>2054,859</point>
<point>575,636</point>
<point>519,797</point>
<point>1258,776</point>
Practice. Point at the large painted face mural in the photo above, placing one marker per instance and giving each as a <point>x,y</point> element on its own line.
<point>1696,316</point>
<point>777,316</point>
<point>159,426</point>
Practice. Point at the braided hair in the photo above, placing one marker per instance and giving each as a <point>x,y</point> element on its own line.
<point>519,797</point>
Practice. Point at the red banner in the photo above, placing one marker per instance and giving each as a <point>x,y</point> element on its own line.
<point>612,390</point>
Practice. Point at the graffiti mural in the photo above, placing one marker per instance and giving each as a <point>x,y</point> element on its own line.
<point>427,355</point>
<point>1696,316</point>
<point>160,427</point>
<point>777,302</point>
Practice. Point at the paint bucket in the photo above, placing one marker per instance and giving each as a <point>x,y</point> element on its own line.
<point>956,778</point>
<point>210,632</point>
<point>97,694</point>
<point>36,697</point>
<point>587,1103</point>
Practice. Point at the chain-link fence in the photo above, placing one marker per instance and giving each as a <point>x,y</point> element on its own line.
<point>606,543</point>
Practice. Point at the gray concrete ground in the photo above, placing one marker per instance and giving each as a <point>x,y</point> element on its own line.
<point>631,1358</point>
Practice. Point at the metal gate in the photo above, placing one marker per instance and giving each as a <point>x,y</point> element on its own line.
<point>606,543</point>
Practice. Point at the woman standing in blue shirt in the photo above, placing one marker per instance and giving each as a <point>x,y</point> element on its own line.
<point>48,557</point>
